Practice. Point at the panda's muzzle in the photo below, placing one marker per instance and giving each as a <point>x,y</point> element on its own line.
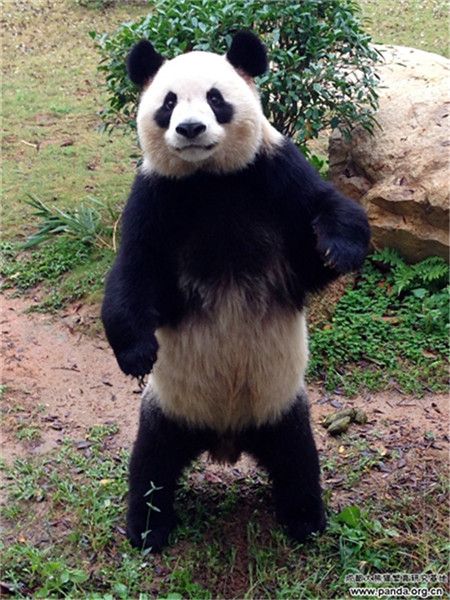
<point>190,129</point>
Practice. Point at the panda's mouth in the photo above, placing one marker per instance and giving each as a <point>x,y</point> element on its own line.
<point>197,147</point>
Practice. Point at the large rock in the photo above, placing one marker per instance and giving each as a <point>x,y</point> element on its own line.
<point>401,174</point>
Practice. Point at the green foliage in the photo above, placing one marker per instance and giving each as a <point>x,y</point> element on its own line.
<point>83,223</point>
<point>428,275</point>
<point>393,325</point>
<point>76,249</point>
<point>56,578</point>
<point>49,263</point>
<point>355,529</point>
<point>67,269</point>
<point>28,434</point>
<point>86,280</point>
<point>322,67</point>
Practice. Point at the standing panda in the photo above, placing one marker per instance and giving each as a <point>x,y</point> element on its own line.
<point>226,231</point>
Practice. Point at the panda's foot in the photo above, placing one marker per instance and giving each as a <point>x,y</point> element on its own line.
<point>153,539</point>
<point>301,527</point>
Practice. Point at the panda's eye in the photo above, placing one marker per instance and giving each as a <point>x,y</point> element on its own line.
<point>170,101</point>
<point>214,97</point>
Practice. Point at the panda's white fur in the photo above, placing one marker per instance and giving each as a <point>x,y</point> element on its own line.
<point>190,76</point>
<point>235,365</point>
<point>231,369</point>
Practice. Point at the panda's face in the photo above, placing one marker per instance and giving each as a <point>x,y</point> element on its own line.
<point>199,112</point>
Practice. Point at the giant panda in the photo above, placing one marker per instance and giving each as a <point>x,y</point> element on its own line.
<point>226,232</point>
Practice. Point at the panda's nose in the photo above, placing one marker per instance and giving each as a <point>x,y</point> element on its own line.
<point>190,129</point>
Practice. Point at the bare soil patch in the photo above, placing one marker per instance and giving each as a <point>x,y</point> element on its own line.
<point>64,380</point>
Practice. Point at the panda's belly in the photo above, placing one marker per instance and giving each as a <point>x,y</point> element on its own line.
<point>234,364</point>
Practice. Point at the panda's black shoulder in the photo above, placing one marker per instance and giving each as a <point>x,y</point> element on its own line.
<point>288,167</point>
<point>288,176</point>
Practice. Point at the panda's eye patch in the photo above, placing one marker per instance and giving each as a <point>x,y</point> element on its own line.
<point>214,97</point>
<point>170,101</point>
<point>222,109</point>
<point>164,112</point>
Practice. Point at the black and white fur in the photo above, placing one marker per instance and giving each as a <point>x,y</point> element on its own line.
<point>226,231</point>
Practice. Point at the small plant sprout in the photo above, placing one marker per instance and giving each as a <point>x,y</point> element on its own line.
<point>151,507</point>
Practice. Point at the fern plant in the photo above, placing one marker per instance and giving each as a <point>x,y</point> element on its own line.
<point>426,276</point>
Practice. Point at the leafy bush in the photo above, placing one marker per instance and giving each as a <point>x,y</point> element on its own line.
<point>391,327</point>
<point>322,67</point>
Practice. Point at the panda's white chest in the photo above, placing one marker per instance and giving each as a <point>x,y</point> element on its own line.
<point>239,359</point>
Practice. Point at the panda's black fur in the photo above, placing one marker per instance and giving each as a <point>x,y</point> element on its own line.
<point>223,225</point>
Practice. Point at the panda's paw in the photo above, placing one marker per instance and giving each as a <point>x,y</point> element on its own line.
<point>154,539</point>
<point>341,255</point>
<point>343,238</point>
<point>300,528</point>
<point>139,359</point>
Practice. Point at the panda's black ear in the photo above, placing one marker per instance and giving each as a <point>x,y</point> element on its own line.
<point>248,53</point>
<point>143,62</point>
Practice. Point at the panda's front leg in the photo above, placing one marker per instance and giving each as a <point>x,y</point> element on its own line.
<point>287,450</point>
<point>163,448</point>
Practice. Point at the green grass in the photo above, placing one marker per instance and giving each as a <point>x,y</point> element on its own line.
<point>66,511</point>
<point>420,24</point>
<point>66,269</point>
<point>51,97</point>
<point>28,433</point>
<point>53,148</point>
<point>48,263</point>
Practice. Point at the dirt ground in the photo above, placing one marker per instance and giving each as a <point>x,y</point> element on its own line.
<point>63,382</point>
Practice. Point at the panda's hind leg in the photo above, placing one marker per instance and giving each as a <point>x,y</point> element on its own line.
<point>163,448</point>
<point>288,451</point>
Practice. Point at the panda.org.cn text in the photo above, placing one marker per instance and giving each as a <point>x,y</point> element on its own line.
<point>396,592</point>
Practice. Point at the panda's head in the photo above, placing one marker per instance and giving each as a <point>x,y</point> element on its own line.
<point>199,110</point>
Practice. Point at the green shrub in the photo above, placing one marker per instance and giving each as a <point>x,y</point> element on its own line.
<point>322,67</point>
